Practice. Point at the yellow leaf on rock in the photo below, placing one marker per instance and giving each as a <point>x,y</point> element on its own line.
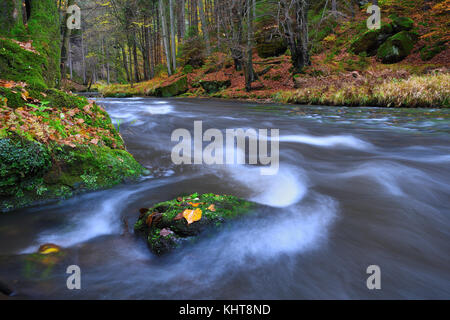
<point>192,215</point>
<point>49,248</point>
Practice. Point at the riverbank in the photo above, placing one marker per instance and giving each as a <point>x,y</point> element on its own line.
<point>385,88</point>
<point>53,144</point>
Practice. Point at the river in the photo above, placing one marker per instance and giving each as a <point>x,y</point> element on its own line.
<point>355,187</point>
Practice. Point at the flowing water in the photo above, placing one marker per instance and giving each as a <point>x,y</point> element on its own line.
<point>356,187</point>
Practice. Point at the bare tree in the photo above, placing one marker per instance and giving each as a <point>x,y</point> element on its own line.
<point>293,23</point>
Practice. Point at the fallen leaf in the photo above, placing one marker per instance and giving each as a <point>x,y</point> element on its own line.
<point>212,208</point>
<point>49,248</point>
<point>179,216</point>
<point>192,215</point>
<point>94,141</point>
<point>195,205</point>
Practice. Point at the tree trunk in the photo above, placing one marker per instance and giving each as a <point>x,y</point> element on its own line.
<point>172,36</point>
<point>249,73</point>
<point>334,8</point>
<point>83,57</point>
<point>165,36</point>
<point>136,63</point>
<point>236,49</point>
<point>65,42</point>
<point>125,64</point>
<point>204,27</point>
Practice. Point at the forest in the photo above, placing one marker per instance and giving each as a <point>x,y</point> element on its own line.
<point>224,149</point>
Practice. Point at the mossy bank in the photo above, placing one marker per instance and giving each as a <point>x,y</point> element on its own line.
<point>167,225</point>
<point>55,148</point>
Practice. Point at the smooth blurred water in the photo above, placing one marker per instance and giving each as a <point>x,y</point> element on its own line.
<point>355,187</point>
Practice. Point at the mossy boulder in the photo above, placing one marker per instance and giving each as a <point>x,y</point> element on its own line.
<point>175,88</point>
<point>214,86</point>
<point>401,23</point>
<point>270,44</point>
<point>167,225</point>
<point>397,47</point>
<point>370,41</point>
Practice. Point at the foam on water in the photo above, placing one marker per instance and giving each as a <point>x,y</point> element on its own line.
<point>158,109</point>
<point>346,141</point>
<point>283,189</point>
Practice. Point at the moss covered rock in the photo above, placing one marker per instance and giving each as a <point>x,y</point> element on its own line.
<point>175,88</point>
<point>370,41</point>
<point>270,44</point>
<point>43,29</point>
<point>214,86</point>
<point>21,65</point>
<point>167,225</point>
<point>401,23</point>
<point>56,148</point>
<point>21,163</point>
<point>397,47</point>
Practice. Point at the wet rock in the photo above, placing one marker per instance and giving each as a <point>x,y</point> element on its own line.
<point>5,289</point>
<point>168,224</point>
<point>215,85</point>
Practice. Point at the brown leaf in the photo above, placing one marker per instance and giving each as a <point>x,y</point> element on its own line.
<point>94,141</point>
<point>179,216</point>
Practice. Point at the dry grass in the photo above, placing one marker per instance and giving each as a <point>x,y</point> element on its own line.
<point>425,91</point>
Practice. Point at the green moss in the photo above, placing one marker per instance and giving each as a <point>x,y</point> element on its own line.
<point>176,88</point>
<point>269,44</point>
<point>21,65</point>
<point>92,167</point>
<point>430,51</point>
<point>44,29</point>
<point>22,164</point>
<point>11,18</point>
<point>215,85</point>
<point>14,97</point>
<point>60,99</point>
<point>401,23</point>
